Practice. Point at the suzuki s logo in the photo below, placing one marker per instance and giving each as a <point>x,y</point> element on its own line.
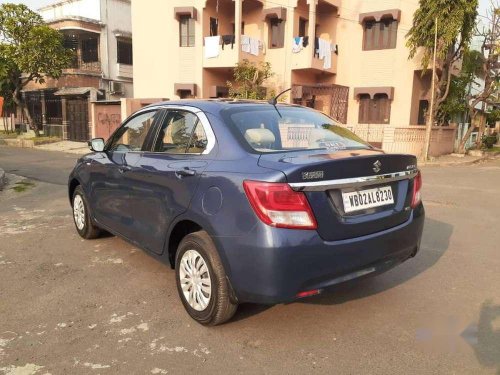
<point>376,166</point>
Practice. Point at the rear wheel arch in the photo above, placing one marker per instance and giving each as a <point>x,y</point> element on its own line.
<point>180,230</point>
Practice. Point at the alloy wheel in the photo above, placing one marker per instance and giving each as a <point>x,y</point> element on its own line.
<point>79,212</point>
<point>195,280</point>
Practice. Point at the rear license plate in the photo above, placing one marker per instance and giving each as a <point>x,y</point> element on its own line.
<point>369,198</point>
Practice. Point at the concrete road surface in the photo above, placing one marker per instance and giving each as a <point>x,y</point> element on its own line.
<point>69,306</point>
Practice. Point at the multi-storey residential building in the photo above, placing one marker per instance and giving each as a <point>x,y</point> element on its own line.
<point>100,34</point>
<point>346,58</point>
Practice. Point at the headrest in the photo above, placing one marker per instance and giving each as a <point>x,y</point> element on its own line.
<point>259,137</point>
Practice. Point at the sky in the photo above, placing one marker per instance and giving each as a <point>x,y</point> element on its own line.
<point>35,4</point>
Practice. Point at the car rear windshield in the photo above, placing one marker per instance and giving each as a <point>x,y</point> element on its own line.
<point>287,128</point>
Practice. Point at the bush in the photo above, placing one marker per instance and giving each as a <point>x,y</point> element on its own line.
<point>489,140</point>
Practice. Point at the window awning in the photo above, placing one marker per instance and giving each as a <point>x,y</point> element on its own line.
<point>372,91</point>
<point>185,11</point>
<point>191,87</point>
<point>277,12</point>
<point>395,14</point>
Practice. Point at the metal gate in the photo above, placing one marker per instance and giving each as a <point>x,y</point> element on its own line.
<point>34,105</point>
<point>328,98</point>
<point>78,119</point>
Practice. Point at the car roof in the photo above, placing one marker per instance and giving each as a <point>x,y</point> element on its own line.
<point>214,104</point>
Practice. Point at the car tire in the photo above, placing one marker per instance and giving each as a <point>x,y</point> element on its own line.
<point>81,216</point>
<point>197,264</point>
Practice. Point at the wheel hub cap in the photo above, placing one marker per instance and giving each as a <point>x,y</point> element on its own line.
<point>195,280</point>
<point>79,212</point>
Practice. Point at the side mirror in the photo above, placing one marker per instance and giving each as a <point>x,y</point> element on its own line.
<point>96,144</point>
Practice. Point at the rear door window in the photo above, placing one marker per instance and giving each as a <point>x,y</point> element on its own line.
<point>181,133</point>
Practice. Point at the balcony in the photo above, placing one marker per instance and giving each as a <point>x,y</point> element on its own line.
<point>307,60</point>
<point>230,20</point>
<point>85,47</point>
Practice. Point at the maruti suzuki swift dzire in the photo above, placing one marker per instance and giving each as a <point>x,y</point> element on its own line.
<point>249,201</point>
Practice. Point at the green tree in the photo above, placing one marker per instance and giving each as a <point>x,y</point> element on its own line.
<point>456,22</point>
<point>29,51</point>
<point>487,92</point>
<point>249,79</point>
<point>461,86</point>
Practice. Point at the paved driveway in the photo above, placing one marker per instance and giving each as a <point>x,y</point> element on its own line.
<point>69,306</point>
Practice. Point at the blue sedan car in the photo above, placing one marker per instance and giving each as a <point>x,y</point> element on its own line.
<point>249,201</point>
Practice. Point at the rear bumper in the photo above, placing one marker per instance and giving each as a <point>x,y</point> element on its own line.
<point>271,265</point>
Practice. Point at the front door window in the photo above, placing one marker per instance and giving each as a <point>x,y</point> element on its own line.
<point>131,136</point>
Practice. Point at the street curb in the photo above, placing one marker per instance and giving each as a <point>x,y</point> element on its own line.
<point>2,178</point>
<point>460,163</point>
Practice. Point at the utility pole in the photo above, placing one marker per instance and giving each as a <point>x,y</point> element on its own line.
<point>430,120</point>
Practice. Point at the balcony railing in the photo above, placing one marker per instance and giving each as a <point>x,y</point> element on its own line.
<point>89,66</point>
<point>231,54</point>
<point>307,58</point>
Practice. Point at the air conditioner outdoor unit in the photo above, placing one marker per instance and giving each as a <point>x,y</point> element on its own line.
<point>115,87</point>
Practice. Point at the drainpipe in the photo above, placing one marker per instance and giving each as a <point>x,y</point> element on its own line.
<point>106,75</point>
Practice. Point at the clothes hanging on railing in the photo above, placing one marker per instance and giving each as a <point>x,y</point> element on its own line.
<point>245,43</point>
<point>228,39</point>
<point>305,41</point>
<point>325,52</point>
<point>251,45</point>
<point>254,46</point>
<point>298,44</point>
<point>212,46</point>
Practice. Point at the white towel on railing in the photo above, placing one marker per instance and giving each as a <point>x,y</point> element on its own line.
<point>298,44</point>
<point>245,43</point>
<point>325,52</point>
<point>254,46</point>
<point>212,46</point>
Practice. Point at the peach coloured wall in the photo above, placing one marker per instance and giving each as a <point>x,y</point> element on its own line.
<point>106,118</point>
<point>390,67</point>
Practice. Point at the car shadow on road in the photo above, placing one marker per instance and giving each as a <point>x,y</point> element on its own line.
<point>435,242</point>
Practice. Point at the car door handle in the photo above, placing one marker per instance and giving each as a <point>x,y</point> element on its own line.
<point>185,172</point>
<point>124,168</point>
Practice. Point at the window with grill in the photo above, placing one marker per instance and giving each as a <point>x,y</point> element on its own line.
<point>374,111</point>
<point>186,31</point>
<point>124,52</point>
<point>276,33</point>
<point>90,49</point>
<point>380,35</point>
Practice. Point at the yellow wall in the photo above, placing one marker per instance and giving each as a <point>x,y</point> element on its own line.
<point>159,62</point>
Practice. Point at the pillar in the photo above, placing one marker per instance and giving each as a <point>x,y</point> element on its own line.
<point>44,113</point>
<point>238,15</point>
<point>65,123</point>
<point>311,26</point>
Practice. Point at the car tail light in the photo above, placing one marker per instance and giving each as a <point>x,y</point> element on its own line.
<point>417,187</point>
<point>277,205</point>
